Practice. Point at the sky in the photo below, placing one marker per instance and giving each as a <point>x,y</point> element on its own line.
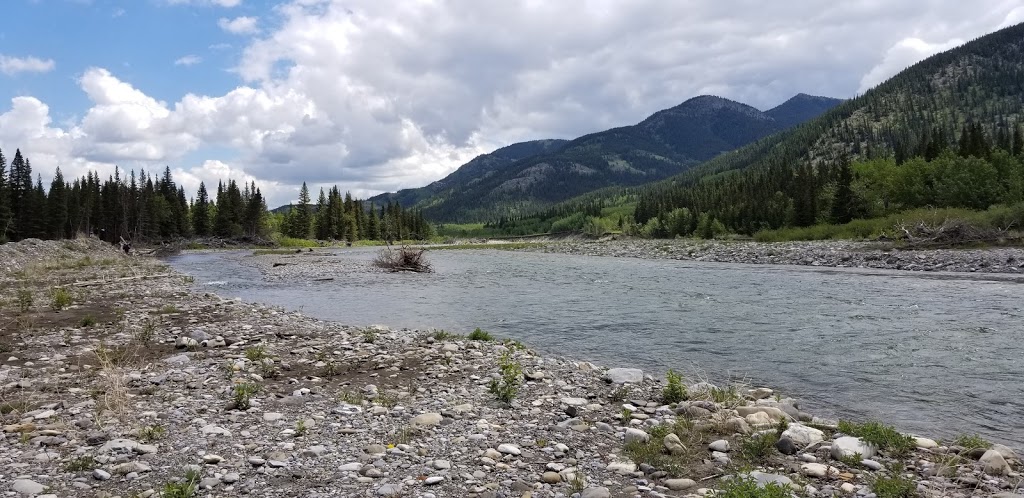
<point>378,95</point>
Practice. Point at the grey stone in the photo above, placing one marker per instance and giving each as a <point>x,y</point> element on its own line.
<point>426,419</point>
<point>509,449</point>
<point>993,463</point>
<point>786,446</point>
<point>847,446</point>
<point>27,487</point>
<point>764,478</point>
<point>100,474</point>
<point>680,484</point>
<point>390,490</point>
<point>625,375</point>
<point>596,493</point>
<point>674,445</point>
<point>803,435</point>
<point>636,435</point>
<point>720,445</point>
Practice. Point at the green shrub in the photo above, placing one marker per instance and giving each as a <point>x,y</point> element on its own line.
<point>242,395</point>
<point>480,335</point>
<point>80,464</point>
<point>60,298</point>
<point>506,387</point>
<point>256,353</point>
<point>152,433</point>
<point>746,487</point>
<point>971,442</point>
<point>758,447</point>
<point>674,390</point>
<point>183,488</point>
<point>369,336</point>
<point>442,335</point>
<point>24,300</point>
<point>882,436</point>
<point>87,321</point>
<point>897,486</point>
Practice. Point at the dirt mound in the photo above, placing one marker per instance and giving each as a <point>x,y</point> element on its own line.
<point>16,256</point>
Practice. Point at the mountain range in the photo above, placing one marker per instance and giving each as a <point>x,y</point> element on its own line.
<point>526,176</point>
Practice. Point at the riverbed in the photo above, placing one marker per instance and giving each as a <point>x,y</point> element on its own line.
<point>933,353</point>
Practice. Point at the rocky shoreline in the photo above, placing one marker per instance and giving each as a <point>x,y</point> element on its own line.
<point>838,254</point>
<point>140,386</point>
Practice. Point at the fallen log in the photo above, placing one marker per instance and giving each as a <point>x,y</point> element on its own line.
<point>87,283</point>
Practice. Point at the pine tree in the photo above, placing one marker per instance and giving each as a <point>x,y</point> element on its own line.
<point>5,200</point>
<point>302,220</point>
<point>842,200</point>
<point>20,184</point>
<point>57,208</point>
<point>323,218</point>
<point>201,212</point>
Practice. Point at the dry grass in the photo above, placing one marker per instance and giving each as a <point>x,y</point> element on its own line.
<point>404,258</point>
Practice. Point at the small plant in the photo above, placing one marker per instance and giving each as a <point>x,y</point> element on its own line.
<point>882,436</point>
<point>24,300</point>
<point>87,321</point>
<point>746,487</point>
<point>402,435</point>
<point>152,433</point>
<point>369,336</point>
<point>386,399</point>
<point>674,390</point>
<point>442,335</point>
<point>80,464</point>
<point>619,394</point>
<point>330,369</point>
<point>970,442</point>
<point>350,397</point>
<point>301,428</point>
<point>540,443</point>
<point>268,370</point>
<point>480,335</point>
<point>757,448</point>
<point>514,345</point>
<point>897,486</point>
<point>852,461</point>
<point>168,309</point>
<point>626,415</point>
<point>60,298</point>
<point>182,488</point>
<point>146,331</point>
<point>577,483</point>
<point>256,353</point>
<point>506,387</point>
<point>243,393</point>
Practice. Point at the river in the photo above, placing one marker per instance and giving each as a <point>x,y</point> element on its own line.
<point>934,354</point>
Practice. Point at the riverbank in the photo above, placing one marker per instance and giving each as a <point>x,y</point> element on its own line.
<point>141,381</point>
<point>839,254</point>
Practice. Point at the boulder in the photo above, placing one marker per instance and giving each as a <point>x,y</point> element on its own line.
<point>993,463</point>
<point>680,484</point>
<point>803,435</point>
<point>674,445</point>
<point>636,435</point>
<point>624,375</point>
<point>847,446</point>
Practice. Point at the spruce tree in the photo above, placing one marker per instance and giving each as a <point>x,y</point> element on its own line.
<point>201,212</point>
<point>842,200</point>
<point>5,200</point>
<point>57,208</point>
<point>302,220</point>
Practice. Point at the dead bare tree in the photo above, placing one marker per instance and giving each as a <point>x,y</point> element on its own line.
<point>404,258</point>
<point>951,232</point>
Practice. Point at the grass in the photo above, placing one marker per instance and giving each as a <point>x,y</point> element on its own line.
<point>168,309</point>
<point>87,321</point>
<point>674,390</point>
<point>758,448</point>
<point>80,464</point>
<point>971,442</point>
<point>256,354</point>
<point>442,335</point>
<point>896,486</point>
<point>301,428</point>
<point>183,488</point>
<point>152,433</point>
<point>480,335</point>
<point>24,300</point>
<point>506,387</point>
<point>242,395</point>
<point>507,246</point>
<point>60,298</point>
<point>351,397</point>
<point>653,452</point>
<point>882,436</point>
<point>369,336</point>
<point>746,487</point>
<point>145,333</point>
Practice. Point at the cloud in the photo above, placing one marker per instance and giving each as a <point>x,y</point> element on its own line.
<point>205,3</point>
<point>15,65</point>
<point>243,25</point>
<point>379,96</point>
<point>188,60</point>
<point>903,54</point>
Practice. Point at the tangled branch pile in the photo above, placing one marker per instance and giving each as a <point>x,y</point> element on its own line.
<point>403,259</point>
<point>951,232</point>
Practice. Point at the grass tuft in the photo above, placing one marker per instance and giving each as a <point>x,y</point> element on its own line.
<point>480,335</point>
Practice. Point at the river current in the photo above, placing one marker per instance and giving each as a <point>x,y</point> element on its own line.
<point>934,354</point>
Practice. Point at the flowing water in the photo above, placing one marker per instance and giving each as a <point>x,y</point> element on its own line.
<point>934,354</point>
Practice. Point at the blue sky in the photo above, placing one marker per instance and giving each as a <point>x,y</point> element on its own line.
<point>376,95</point>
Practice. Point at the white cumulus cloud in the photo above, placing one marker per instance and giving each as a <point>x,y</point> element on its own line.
<point>188,60</point>
<point>13,65</point>
<point>244,25</point>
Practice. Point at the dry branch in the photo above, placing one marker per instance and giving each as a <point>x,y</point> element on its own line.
<point>951,232</point>
<point>403,259</point>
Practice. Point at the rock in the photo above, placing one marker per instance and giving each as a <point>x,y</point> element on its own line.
<point>773,413</point>
<point>872,465</point>
<point>230,478</point>
<point>130,467</point>
<point>737,425</point>
<point>180,359</point>
<point>847,446</point>
<point>925,443</point>
<point>551,478</point>
<point>1005,451</point>
<point>214,430</point>
<point>674,445</point>
<point>574,401</point>
<point>211,459</point>
<point>272,416</point>
<point>100,474</point>
<point>314,451</point>
<point>426,420</point>
<point>509,449</point>
<point>993,463</point>
<point>27,487</point>
<point>786,446</point>
<point>680,484</point>
<point>818,470</point>
<point>624,376</point>
<point>803,435</point>
<point>390,490</point>
<point>721,445</point>
<point>763,478</point>
<point>759,419</point>
<point>432,480</point>
<point>621,467</point>
<point>596,493</point>
<point>350,467</point>
<point>636,435</point>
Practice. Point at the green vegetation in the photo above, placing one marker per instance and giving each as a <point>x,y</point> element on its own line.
<point>442,335</point>
<point>746,487</point>
<point>674,390</point>
<point>895,486</point>
<point>369,336</point>
<point>242,395</point>
<point>971,442</point>
<point>256,353</point>
<point>480,335</point>
<point>882,436</point>
<point>60,298</point>
<point>757,448</point>
<point>151,433</point>
<point>507,385</point>
<point>24,299</point>
<point>182,488</point>
<point>301,429</point>
<point>87,321</point>
<point>80,464</point>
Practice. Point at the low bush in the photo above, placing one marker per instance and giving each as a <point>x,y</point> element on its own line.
<point>480,335</point>
<point>882,436</point>
<point>674,390</point>
<point>507,385</point>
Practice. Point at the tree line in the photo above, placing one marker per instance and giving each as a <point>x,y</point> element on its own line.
<point>144,207</point>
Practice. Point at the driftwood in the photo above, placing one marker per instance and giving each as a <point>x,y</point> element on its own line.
<point>403,259</point>
<point>951,232</point>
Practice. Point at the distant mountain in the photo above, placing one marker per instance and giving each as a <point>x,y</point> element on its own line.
<point>967,101</point>
<point>801,108</point>
<point>523,177</point>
